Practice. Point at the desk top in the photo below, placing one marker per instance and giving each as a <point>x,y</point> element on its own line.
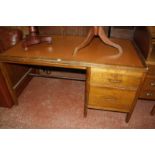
<point>60,52</point>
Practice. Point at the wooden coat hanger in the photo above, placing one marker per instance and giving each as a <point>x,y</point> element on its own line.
<point>98,31</point>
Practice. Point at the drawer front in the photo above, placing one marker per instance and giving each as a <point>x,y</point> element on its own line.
<point>148,94</point>
<point>149,83</point>
<point>115,78</point>
<point>111,99</point>
<point>151,70</point>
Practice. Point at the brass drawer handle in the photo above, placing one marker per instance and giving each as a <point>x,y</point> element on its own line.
<point>149,94</point>
<point>115,81</point>
<point>110,98</point>
<point>152,84</point>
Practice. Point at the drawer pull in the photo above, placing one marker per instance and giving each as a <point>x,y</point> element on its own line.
<point>148,94</point>
<point>152,84</point>
<point>115,81</point>
<point>110,99</point>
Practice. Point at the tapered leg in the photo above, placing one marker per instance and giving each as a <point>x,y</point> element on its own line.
<point>86,99</point>
<point>86,92</point>
<point>107,41</point>
<point>153,110</point>
<point>128,116</point>
<point>85,111</point>
<point>85,42</point>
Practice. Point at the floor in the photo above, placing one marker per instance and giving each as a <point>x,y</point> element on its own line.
<point>55,103</point>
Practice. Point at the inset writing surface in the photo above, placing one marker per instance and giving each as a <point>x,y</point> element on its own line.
<point>63,46</point>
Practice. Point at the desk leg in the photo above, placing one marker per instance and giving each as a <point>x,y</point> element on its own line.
<point>153,110</point>
<point>86,99</point>
<point>85,111</point>
<point>128,116</point>
<point>8,83</point>
<point>86,91</point>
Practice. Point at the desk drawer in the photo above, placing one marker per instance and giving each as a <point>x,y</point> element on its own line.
<point>147,94</point>
<point>111,99</point>
<point>149,83</point>
<point>115,78</point>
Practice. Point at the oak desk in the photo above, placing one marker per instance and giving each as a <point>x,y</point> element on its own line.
<point>111,84</point>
